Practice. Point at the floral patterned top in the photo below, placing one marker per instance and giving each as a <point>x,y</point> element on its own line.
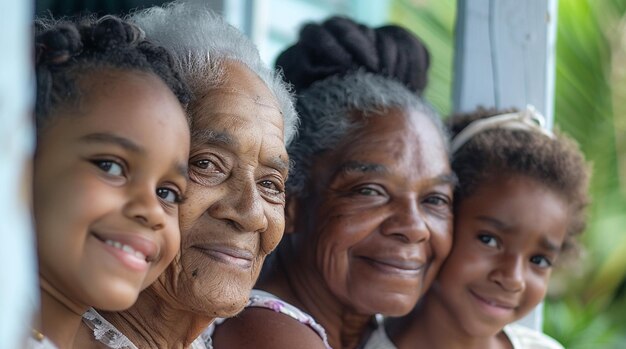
<point>105,333</point>
<point>262,299</point>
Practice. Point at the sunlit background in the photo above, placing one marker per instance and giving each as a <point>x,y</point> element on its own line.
<point>586,307</point>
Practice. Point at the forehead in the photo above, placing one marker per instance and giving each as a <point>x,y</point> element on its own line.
<point>518,203</point>
<point>242,111</point>
<point>118,99</point>
<point>401,139</point>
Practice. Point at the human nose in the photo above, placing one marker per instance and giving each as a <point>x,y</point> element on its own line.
<point>509,273</point>
<point>145,208</point>
<point>407,223</point>
<point>242,207</point>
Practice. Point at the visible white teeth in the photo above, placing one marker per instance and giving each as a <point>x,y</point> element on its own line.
<point>126,248</point>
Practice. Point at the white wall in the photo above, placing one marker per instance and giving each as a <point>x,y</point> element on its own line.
<point>18,290</point>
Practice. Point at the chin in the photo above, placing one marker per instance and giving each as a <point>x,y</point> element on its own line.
<point>218,298</point>
<point>115,297</point>
<point>232,309</point>
<point>394,305</point>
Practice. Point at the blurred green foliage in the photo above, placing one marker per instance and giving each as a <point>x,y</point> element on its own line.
<point>586,307</point>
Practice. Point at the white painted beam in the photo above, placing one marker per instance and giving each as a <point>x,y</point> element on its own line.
<point>505,54</point>
<point>19,292</point>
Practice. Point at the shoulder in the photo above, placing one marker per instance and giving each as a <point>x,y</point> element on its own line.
<point>523,337</point>
<point>264,328</point>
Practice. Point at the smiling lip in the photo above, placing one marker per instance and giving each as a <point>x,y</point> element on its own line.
<point>238,257</point>
<point>408,267</point>
<point>131,249</point>
<point>494,307</point>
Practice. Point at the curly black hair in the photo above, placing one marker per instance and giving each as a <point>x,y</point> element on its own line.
<point>556,162</point>
<point>67,50</point>
<point>340,46</point>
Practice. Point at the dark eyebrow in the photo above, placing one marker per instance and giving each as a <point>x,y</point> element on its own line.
<point>545,243</point>
<point>281,165</point>
<point>105,137</point>
<point>356,166</point>
<point>493,222</point>
<point>206,136</point>
<point>550,246</point>
<point>448,178</point>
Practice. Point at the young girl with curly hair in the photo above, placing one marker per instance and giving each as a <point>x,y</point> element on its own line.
<point>110,169</point>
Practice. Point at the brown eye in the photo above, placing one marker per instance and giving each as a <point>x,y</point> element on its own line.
<point>110,167</point>
<point>437,200</point>
<point>369,190</point>
<point>541,261</point>
<point>488,240</point>
<point>204,164</point>
<point>271,186</point>
<point>169,195</point>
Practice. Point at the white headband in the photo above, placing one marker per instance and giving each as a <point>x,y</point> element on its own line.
<point>528,120</point>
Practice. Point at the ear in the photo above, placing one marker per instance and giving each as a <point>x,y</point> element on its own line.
<point>291,211</point>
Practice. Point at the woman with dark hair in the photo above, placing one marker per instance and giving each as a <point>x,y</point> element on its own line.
<point>369,199</point>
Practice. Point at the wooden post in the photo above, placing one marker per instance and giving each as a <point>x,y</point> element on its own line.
<point>18,274</point>
<point>505,57</point>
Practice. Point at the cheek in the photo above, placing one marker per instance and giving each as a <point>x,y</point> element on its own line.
<point>461,265</point>
<point>338,235</point>
<point>441,238</point>
<point>172,238</point>
<point>193,207</point>
<point>276,227</point>
<point>536,288</point>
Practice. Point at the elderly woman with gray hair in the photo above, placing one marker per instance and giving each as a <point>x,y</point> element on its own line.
<point>369,206</point>
<point>242,117</point>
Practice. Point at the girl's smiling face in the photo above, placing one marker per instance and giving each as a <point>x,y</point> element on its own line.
<point>109,174</point>
<point>507,236</point>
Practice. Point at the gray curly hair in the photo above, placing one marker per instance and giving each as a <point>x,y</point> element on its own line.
<point>201,41</point>
<point>325,109</point>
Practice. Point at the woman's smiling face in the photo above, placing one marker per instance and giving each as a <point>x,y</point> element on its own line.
<point>378,221</point>
<point>107,185</point>
<point>234,216</point>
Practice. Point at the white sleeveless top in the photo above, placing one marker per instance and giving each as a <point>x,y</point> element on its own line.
<point>520,336</point>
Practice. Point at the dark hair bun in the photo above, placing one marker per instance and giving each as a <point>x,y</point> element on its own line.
<point>340,46</point>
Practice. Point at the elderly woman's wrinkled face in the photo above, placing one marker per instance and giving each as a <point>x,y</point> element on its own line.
<point>234,212</point>
<point>381,213</point>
